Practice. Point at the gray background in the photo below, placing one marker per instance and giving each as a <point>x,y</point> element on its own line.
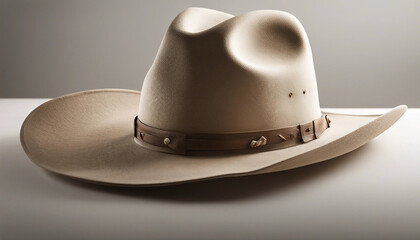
<point>366,52</point>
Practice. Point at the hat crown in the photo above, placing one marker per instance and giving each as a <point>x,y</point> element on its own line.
<point>216,73</point>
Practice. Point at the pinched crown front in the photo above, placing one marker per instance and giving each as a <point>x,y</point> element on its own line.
<point>216,73</point>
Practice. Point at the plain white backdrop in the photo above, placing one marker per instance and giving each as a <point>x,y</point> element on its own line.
<point>366,54</point>
<point>370,193</point>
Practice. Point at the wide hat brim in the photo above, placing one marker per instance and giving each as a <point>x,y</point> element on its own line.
<point>89,136</point>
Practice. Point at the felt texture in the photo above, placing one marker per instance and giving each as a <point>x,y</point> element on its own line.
<point>214,73</point>
<point>217,73</point>
<point>89,136</point>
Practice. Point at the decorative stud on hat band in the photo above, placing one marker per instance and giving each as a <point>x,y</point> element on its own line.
<point>204,143</point>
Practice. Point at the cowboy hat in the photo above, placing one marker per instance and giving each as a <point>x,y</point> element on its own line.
<point>226,96</point>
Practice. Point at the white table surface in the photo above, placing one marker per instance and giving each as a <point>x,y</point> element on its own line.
<point>370,193</point>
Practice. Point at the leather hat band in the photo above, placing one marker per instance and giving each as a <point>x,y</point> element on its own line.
<point>208,143</point>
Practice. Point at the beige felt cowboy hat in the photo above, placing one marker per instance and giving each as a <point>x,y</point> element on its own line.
<point>225,96</point>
